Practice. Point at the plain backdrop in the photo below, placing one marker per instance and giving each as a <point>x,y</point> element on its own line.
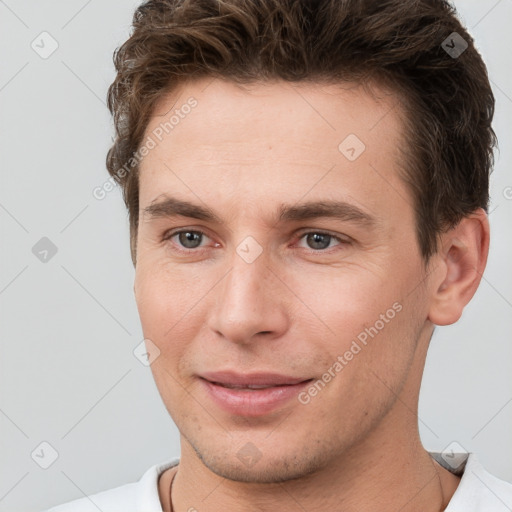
<point>69,323</point>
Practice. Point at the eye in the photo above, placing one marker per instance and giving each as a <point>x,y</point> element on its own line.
<point>319,241</point>
<point>189,239</point>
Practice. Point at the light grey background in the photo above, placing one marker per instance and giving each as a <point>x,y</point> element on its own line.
<point>69,326</point>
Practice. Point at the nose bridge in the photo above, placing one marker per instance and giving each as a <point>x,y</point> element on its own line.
<point>246,302</point>
<point>244,290</point>
<point>245,280</point>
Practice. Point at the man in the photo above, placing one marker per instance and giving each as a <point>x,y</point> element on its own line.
<point>307,186</point>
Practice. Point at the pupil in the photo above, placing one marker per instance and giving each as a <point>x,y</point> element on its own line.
<point>318,240</point>
<point>190,239</point>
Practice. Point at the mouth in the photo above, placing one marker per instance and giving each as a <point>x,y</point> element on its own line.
<point>249,387</point>
<point>252,394</point>
<point>255,380</point>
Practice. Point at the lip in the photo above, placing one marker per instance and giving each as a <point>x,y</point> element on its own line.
<point>239,399</point>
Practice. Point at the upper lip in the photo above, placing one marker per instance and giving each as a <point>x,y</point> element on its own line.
<point>231,378</point>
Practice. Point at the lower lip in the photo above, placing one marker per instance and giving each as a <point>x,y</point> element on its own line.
<point>252,402</point>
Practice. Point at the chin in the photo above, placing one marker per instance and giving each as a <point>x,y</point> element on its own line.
<point>250,465</point>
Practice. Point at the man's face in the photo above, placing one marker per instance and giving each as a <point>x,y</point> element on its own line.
<point>274,287</point>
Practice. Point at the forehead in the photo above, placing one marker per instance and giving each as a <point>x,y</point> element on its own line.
<point>266,106</point>
<point>216,137</point>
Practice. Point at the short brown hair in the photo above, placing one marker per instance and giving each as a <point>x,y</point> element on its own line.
<point>402,43</point>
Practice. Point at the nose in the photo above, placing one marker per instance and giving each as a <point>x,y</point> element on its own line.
<point>249,303</point>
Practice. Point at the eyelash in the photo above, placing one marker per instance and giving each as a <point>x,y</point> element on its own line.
<point>170,234</point>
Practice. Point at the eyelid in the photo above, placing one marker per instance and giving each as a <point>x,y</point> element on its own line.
<point>338,236</point>
<point>171,232</point>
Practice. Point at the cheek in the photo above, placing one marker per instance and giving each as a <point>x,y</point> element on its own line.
<point>165,293</point>
<point>347,300</point>
<point>165,304</point>
<point>365,319</point>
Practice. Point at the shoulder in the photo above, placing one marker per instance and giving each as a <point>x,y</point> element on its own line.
<point>137,496</point>
<point>478,490</point>
<point>116,499</point>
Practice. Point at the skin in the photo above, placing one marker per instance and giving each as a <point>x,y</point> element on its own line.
<point>242,152</point>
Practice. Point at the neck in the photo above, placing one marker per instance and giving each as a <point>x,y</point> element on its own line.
<point>388,471</point>
<point>401,478</point>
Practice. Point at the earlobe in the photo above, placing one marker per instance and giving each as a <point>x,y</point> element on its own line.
<point>461,263</point>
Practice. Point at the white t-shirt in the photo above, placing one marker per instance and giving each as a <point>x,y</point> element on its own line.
<point>478,491</point>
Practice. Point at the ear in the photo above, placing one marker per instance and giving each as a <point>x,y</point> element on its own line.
<point>459,266</point>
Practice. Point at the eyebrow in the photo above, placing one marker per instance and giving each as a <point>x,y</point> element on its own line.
<point>336,209</point>
<point>170,207</point>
